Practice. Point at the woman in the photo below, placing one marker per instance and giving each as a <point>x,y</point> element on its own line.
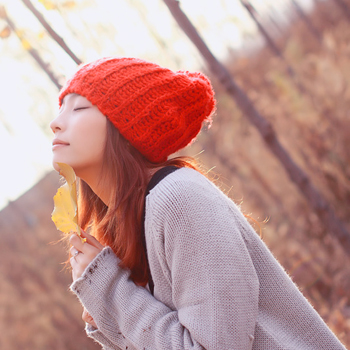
<point>178,267</point>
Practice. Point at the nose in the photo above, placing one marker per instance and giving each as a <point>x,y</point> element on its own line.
<point>56,124</point>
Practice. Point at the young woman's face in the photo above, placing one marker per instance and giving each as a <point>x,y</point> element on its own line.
<point>80,135</point>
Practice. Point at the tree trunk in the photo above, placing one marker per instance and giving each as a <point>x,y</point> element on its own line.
<point>307,22</point>
<point>270,42</point>
<point>296,174</point>
<point>344,6</point>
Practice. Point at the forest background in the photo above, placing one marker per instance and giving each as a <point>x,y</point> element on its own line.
<point>295,71</point>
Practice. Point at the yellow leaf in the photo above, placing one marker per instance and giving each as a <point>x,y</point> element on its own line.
<point>49,5</point>
<point>26,44</point>
<point>69,4</point>
<point>65,213</point>
<point>20,33</point>
<point>41,35</point>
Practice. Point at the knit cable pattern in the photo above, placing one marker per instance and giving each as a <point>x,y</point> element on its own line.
<point>157,110</point>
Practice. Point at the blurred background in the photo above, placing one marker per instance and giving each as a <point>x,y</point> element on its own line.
<point>279,143</point>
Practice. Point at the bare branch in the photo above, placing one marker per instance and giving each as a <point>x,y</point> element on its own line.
<point>313,30</point>
<point>51,31</point>
<point>296,174</point>
<point>30,49</point>
<point>270,42</point>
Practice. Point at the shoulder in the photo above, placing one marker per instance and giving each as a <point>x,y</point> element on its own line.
<point>181,184</point>
<point>186,192</point>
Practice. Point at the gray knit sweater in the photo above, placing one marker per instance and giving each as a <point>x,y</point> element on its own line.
<point>217,286</point>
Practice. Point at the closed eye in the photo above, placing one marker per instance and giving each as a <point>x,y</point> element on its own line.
<point>79,108</point>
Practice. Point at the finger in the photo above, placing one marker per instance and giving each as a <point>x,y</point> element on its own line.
<point>84,312</point>
<point>88,250</point>
<point>73,262</point>
<point>76,242</point>
<point>77,270</point>
<point>91,240</point>
<point>74,251</point>
<point>86,316</point>
<point>74,265</point>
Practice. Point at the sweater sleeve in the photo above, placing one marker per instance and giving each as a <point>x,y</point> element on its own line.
<point>214,287</point>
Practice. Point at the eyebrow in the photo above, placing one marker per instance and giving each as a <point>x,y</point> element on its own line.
<point>64,98</point>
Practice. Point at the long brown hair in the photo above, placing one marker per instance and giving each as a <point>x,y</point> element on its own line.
<point>120,225</point>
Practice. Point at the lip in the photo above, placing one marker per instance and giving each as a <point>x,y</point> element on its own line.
<point>56,143</point>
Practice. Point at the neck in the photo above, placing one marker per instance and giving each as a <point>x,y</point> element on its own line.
<point>101,189</point>
<point>102,193</point>
<point>97,186</point>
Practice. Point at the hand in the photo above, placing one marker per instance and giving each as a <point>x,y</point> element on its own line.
<point>83,253</point>
<point>88,318</point>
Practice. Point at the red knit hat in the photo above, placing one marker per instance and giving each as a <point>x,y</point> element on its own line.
<point>157,110</point>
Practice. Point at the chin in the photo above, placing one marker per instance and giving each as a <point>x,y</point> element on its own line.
<point>55,166</point>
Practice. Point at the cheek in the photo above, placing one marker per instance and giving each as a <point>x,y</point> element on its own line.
<point>92,137</point>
